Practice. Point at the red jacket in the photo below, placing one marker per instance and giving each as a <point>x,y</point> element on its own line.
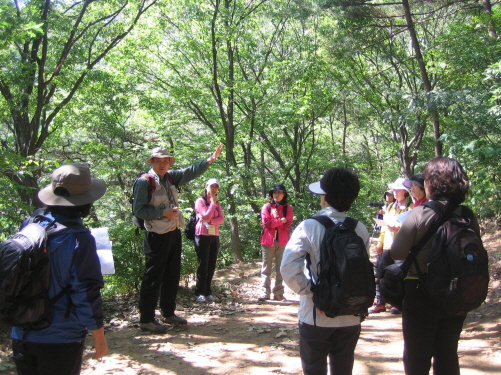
<point>272,225</point>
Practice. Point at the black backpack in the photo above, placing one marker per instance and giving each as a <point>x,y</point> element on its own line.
<point>25,274</point>
<point>345,282</point>
<point>457,278</point>
<point>189,230</point>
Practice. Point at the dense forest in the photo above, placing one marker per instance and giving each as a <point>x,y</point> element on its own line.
<point>289,87</point>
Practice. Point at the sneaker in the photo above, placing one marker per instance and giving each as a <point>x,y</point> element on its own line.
<point>210,298</point>
<point>394,310</point>
<point>201,299</point>
<point>279,298</point>
<point>263,298</point>
<point>174,319</point>
<point>154,327</point>
<point>377,309</point>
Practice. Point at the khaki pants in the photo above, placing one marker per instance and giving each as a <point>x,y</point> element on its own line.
<point>270,255</point>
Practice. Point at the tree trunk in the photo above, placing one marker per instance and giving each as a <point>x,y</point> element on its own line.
<point>424,75</point>
<point>488,11</point>
<point>236,245</point>
<point>27,188</point>
<point>226,115</point>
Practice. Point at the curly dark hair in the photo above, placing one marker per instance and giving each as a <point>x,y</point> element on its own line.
<point>446,180</point>
<point>341,187</point>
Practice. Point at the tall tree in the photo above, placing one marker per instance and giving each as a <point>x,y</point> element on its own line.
<point>41,74</point>
<point>422,23</point>
<point>239,73</point>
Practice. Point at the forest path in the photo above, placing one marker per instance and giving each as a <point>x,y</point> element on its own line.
<point>238,335</point>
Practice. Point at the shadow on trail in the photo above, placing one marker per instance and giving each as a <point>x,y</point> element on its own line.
<point>213,343</point>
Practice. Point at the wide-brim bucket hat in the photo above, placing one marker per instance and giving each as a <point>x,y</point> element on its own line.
<point>398,184</point>
<point>160,153</point>
<point>72,185</point>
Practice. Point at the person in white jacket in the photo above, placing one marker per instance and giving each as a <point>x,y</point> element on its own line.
<point>333,338</point>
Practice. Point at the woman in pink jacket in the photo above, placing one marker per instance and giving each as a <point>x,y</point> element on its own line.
<point>276,217</point>
<point>209,217</point>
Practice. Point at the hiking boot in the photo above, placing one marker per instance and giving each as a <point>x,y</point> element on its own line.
<point>263,297</point>
<point>394,310</point>
<point>210,298</point>
<point>377,309</point>
<point>154,327</point>
<point>279,298</point>
<point>201,299</point>
<point>175,320</point>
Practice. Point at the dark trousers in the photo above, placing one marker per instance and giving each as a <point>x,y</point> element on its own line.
<point>318,343</point>
<point>428,333</point>
<point>47,359</point>
<point>207,248</point>
<point>383,260</point>
<point>161,275</point>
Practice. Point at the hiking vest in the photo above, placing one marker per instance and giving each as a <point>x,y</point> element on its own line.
<point>164,195</point>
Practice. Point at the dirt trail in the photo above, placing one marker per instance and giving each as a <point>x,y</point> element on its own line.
<point>237,335</point>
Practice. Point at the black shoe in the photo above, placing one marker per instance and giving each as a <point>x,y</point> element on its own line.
<point>175,320</point>
<point>154,327</point>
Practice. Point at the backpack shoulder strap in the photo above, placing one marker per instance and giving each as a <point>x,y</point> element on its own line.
<point>152,183</point>
<point>327,223</point>
<point>442,213</point>
<point>351,223</point>
<point>466,213</point>
<point>56,227</point>
<point>150,178</point>
<point>324,220</point>
<point>434,205</point>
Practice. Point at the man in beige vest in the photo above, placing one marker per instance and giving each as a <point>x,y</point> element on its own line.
<point>162,239</point>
